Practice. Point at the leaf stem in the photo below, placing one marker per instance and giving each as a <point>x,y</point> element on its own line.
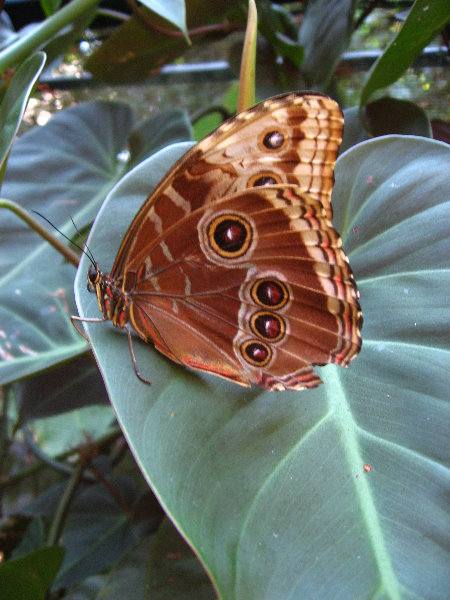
<point>57,525</point>
<point>69,254</point>
<point>25,45</point>
<point>113,14</point>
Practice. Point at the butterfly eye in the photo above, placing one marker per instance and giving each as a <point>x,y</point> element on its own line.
<point>93,276</point>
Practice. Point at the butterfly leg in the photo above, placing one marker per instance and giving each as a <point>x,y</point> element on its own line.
<point>133,358</point>
<point>74,318</point>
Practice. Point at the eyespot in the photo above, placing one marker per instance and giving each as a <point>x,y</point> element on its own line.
<point>270,293</point>
<point>256,353</point>
<point>261,179</point>
<point>273,140</point>
<point>230,235</point>
<point>268,325</point>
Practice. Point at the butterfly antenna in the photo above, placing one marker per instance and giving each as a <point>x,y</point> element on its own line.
<point>86,248</point>
<point>88,253</point>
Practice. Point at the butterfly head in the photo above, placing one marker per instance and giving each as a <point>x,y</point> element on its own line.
<point>93,277</point>
<point>96,284</point>
<point>112,301</point>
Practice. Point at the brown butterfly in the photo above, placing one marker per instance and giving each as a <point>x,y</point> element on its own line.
<point>232,265</point>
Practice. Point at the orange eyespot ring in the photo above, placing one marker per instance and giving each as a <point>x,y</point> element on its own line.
<point>270,293</point>
<point>268,326</point>
<point>230,235</point>
<point>263,178</point>
<point>256,353</point>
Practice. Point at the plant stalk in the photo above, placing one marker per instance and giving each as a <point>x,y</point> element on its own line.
<point>246,97</point>
<point>61,247</point>
<point>59,520</point>
<point>25,45</point>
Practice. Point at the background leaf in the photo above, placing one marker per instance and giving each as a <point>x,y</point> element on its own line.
<point>64,432</point>
<point>7,33</point>
<point>278,26</point>
<point>174,571</point>
<point>61,42</point>
<point>389,115</point>
<point>173,11</point>
<point>15,101</point>
<point>425,20</point>
<point>98,531</point>
<point>53,34</point>
<point>30,576</point>
<point>130,573</point>
<point>136,50</point>
<point>50,6</point>
<point>382,117</point>
<point>324,35</point>
<point>270,489</point>
<point>74,384</point>
<point>69,166</point>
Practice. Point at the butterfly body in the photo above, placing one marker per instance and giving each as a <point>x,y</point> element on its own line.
<point>232,265</point>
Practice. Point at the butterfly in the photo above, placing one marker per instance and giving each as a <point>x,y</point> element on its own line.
<point>232,265</point>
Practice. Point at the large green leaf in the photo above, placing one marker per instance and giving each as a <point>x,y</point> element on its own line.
<point>63,170</point>
<point>270,489</point>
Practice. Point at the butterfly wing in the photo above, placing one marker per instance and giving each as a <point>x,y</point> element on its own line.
<point>262,309</point>
<point>232,263</point>
<point>290,139</point>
